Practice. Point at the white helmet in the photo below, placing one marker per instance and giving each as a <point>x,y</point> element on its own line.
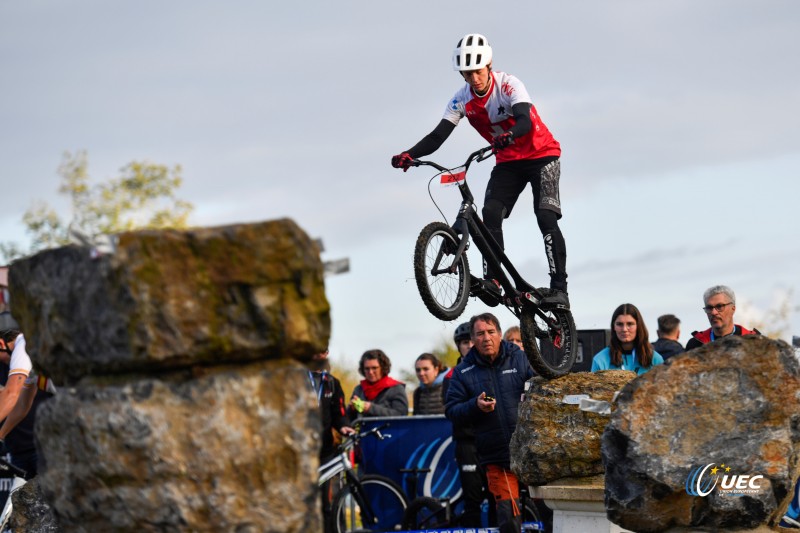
<point>472,52</point>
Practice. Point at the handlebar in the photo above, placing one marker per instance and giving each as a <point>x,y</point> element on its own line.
<point>351,440</point>
<point>8,468</point>
<point>477,155</point>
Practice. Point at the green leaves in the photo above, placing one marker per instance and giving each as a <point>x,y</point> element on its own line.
<point>143,196</point>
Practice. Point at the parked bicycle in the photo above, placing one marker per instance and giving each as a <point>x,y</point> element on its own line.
<point>367,503</point>
<point>441,269</point>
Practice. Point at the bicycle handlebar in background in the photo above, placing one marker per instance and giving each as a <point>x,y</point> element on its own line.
<point>6,467</point>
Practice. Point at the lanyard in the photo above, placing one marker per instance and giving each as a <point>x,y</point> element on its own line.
<point>729,334</point>
<point>313,383</point>
<point>633,361</point>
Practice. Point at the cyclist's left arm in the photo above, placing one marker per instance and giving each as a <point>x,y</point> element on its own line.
<point>522,119</point>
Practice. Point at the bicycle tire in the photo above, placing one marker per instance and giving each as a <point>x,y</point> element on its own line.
<point>551,351</point>
<point>385,498</point>
<point>445,295</point>
<point>425,513</point>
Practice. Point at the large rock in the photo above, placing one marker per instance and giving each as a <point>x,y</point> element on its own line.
<point>234,450</point>
<point>554,439</point>
<point>181,404</point>
<point>733,405</point>
<point>171,299</point>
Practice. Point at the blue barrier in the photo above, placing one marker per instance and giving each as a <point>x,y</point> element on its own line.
<point>424,441</point>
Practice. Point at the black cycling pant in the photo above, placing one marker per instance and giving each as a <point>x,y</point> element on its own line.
<point>506,183</point>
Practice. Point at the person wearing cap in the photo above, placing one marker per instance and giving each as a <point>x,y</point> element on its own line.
<point>498,106</point>
<point>473,478</point>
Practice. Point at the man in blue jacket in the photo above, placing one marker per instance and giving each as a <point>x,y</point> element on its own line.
<point>485,391</point>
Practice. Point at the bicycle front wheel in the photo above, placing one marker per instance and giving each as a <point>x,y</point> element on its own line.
<point>442,282</point>
<point>550,342</point>
<point>377,505</point>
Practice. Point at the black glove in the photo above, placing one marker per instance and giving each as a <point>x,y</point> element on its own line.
<point>402,161</point>
<point>502,140</point>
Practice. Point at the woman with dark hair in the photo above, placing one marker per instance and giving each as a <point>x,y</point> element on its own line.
<point>377,394</point>
<point>629,349</point>
<point>428,399</point>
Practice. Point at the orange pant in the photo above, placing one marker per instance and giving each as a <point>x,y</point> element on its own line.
<point>503,484</point>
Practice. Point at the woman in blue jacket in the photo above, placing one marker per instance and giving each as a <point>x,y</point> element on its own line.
<point>629,349</point>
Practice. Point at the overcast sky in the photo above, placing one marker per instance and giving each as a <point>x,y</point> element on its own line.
<point>678,122</point>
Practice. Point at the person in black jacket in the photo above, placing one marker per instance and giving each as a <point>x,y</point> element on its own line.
<point>669,331</point>
<point>485,390</point>
<point>330,397</point>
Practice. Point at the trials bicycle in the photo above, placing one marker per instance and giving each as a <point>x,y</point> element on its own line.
<point>367,503</point>
<point>441,269</point>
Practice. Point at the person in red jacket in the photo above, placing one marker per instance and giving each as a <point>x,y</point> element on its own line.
<point>498,106</point>
<point>720,305</point>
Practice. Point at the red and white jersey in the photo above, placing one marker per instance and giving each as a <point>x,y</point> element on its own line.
<point>491,115</point>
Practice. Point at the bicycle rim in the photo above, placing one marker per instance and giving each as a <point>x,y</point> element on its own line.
<point>551,349</point>
<point>445,294</point>
<point>386,502</point>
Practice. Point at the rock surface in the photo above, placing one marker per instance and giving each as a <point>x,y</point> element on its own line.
<point>30,511</point>
<point>732,404</point>
<point>554,439</point>
<point>222,452</point>
<point>171,299</point>
<point>181,403</point>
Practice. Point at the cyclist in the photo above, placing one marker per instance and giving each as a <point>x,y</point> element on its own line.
<point>499,108</point>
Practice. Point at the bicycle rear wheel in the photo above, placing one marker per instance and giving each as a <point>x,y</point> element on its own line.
<point>425,513</point>
<point>443,284</point>
<point>551,345</point>
<point>383,497</point>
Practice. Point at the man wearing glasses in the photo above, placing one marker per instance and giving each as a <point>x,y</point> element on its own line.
<point>720,304</point>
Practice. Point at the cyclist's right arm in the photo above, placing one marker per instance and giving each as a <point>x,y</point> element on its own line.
<point>432,141</point>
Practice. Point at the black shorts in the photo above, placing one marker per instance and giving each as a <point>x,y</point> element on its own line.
<point>508,180</point>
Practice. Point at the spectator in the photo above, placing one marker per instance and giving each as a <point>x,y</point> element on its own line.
<point>513,335</point>
<point>330,399</point>
<point>473,477</point>
<point>17,400</point>
<point>428,399</point>
<point>669,331</point>
<point>720,305</point>
<point>378,394</point>
<point>485,390</point>
<point>629,349</point>
<point>463,339</point>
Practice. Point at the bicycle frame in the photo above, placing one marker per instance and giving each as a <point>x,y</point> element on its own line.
<point>469,224</point>
<point>341,465</point>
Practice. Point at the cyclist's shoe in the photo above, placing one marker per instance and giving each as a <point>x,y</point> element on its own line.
<point>488,290</point>
<point>554,299</point>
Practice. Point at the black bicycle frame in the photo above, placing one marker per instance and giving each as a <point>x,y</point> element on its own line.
<point>357,491</point>
<point>469,224</point>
